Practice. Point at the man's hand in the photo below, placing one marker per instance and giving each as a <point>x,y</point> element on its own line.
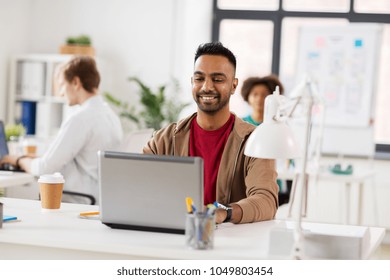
<point>9,159</point>
<point>24,162</point>
<point>221,214</point>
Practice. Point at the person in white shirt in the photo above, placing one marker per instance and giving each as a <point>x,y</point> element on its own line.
<point>93,127</point>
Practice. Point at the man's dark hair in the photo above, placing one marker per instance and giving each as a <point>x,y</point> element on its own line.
<point>215,48</point>
<point>85,68</point>
<point>270,82</point>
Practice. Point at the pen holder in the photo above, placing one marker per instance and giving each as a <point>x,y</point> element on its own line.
<point>1,215</point>
<point>199,232</point>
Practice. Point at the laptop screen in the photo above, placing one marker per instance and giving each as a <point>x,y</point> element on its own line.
<point>3,141</point>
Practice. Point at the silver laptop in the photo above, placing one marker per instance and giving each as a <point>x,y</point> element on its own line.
<point>148,192</point>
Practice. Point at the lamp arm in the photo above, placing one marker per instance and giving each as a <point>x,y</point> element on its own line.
<point>299,98</point>
<point>279,116</point>
<point>305,87</point>
<point>297,250</point>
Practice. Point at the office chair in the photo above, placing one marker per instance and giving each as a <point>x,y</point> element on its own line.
<point>89,198</point>
<point>135,141</point>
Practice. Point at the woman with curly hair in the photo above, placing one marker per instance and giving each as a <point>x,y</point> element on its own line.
<point>254,91</point>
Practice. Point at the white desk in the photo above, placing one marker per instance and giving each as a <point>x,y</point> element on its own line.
<point>10,179</point>
<point>18,184</point>
<point>62,235</point>
<point>357,178</point>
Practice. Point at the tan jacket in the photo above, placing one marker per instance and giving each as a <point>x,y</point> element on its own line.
<point>249,182</point>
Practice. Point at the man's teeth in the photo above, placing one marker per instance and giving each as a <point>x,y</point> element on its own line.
<point>208,97</point>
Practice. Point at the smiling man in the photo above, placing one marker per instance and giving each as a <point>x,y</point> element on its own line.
<point>246,186</point>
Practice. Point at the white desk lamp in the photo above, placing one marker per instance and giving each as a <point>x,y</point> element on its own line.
<point>274,139</point>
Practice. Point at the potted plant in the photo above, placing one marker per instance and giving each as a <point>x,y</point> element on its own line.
<point>157,109</point>
<point>14,134</point>
<point>14,131</point>
<point>78,45</point>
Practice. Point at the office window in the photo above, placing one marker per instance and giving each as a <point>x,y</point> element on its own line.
<point>316,5</point>
<point>283,40</point>
<point>249,4</point>
<point>370,6</point>
<point>253,56</point>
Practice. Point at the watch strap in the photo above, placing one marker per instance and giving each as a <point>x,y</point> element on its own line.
<point>229,211</point>
<point>18,160</point>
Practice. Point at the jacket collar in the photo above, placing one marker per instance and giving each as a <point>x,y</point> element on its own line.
<point>185,124</point>
<point>241,128</point>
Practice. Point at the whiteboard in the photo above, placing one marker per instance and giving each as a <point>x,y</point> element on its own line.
<point>342,62</point>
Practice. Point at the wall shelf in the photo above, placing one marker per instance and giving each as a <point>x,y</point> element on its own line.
<point>33,97</point>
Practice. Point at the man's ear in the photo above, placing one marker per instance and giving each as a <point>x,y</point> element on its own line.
<point>235,84</point>
<point>77,83</point>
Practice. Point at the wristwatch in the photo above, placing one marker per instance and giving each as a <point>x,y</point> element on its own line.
<point>229,211</point>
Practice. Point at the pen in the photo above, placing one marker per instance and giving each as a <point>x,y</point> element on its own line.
<point>210,209</point>
<point>219,205</point>
<point>189,205</point>
<point>89,213</point>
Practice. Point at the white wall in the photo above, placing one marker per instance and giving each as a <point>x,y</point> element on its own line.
<point>14,18</point>
<point>152,39</point>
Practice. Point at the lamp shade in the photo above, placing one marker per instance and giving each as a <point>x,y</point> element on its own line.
<point>272,140</point>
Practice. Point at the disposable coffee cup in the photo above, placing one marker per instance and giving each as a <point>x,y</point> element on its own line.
<point>50,189</point>
<point>29,147</point>
<point>30,150</point>
<point>199,231</point>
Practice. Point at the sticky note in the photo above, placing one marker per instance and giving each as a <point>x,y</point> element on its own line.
<point>358,43</point>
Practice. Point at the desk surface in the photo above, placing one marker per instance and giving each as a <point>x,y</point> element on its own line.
<point>10,179</point>
<point>62,235</point>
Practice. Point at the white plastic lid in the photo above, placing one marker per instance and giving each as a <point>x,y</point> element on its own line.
<point>55,178</point>
<point>29,141</point>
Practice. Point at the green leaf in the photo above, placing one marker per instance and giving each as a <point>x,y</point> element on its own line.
<point>83,40</point>
<point>111,99</point>
<point>144,89</point>
<point>130,116</point>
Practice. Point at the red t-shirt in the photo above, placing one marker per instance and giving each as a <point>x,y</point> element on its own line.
<point>209,145</point>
